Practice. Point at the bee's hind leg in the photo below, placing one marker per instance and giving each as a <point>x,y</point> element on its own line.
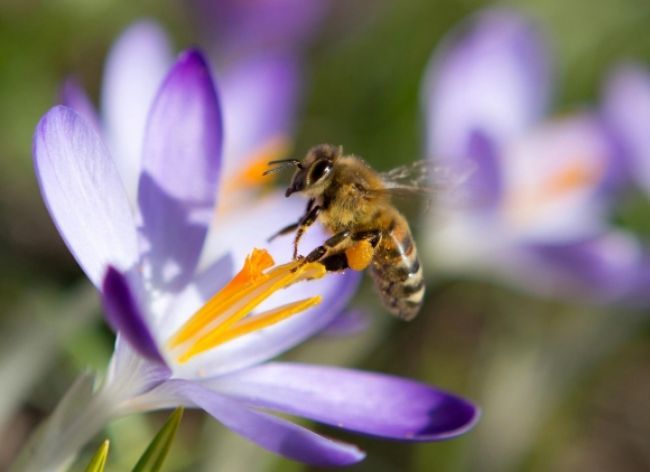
<point>335,244</point>
<point>336,262</point>
<point>346,250</point>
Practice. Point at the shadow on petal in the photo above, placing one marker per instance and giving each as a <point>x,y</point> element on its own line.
<point>174,237</point>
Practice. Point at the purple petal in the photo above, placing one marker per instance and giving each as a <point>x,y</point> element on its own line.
<point>558,180</point>
<point>608,268</point>
<point>348,323</point>
<point>74,96</point>
<point>484,184</point>
<point>181,163</point>
<point>368,403</point>
<point>131,372</point>
<point>126,317</point>
<point>83,193</point>
<point>242,27</point>
<point>259,103</point>
<point>491,75</point>
<point>275,434</point>
<point>627,110</point>
<point>135,68</point>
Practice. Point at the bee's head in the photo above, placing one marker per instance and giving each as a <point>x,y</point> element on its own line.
<point>313,173</point>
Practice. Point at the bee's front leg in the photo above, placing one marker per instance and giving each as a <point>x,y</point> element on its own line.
<point>286,230</point>
<point>293,226</point>
<point>304,223</point>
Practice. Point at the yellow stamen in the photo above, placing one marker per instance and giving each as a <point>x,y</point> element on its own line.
<point>249,325</point>
<point>224,316</point>
<point>251,273</point>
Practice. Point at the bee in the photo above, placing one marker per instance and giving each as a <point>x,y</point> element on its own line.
<point>353,202</point>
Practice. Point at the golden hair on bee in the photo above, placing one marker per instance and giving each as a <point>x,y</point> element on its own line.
<point>353,202</point>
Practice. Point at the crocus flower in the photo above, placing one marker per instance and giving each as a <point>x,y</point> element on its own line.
<point>201,338</point>
<point>258,102</point>
<point>242,27</point>
<point>535,210</point>
<point>626,109</point>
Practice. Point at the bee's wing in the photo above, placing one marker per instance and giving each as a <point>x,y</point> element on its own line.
<point>425,178</point>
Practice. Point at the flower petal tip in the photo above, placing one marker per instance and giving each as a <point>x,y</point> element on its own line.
<point>193,59</point>
<point>75,171</point>
<point>449,418</point>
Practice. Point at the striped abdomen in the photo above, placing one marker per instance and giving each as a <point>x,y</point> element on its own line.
<point>397,273</point>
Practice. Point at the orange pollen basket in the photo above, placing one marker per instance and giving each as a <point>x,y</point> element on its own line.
<point>227,315</point>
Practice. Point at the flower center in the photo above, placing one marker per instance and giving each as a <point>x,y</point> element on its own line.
<point>227,315</point>
<point>251,175</point>
<point>575,177</point>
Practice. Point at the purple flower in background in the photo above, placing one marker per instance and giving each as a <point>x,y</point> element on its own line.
<point>243,27</point>
<point>535,210</point>
<point>178,342</point>
<point>626,109</point>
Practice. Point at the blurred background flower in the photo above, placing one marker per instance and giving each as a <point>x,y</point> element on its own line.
<point>542,191</point>
<point>560,378</point>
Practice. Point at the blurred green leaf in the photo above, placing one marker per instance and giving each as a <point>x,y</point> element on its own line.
<point>153,458</point>
<point>99,459</point>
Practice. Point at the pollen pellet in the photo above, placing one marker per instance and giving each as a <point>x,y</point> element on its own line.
<point>360,255</point>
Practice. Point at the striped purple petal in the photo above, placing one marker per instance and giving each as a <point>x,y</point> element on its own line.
<point>74,96</point>
<point>134,71</point>
<point>364,402</point>
<point>272,433</point>
<point>84,193</point>
<point>126,316</point>
<point>181,163</point>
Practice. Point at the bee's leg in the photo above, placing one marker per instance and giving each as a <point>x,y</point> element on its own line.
<point>293,226</point>
<point>304,223</point>
<point>336,262</point>
<point>346,250</point>
<point>335,244</point>
<point>373,236</point>
<point>286,230</point>
<point>342,241</point>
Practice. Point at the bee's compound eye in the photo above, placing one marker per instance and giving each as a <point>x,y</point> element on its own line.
<point>320,170</point>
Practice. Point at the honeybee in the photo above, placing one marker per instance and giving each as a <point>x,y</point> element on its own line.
<point>353,202</point>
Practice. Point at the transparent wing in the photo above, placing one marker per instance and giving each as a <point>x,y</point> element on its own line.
<point>425,177</point>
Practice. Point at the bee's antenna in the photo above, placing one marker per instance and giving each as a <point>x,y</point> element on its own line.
<point>283,164</point>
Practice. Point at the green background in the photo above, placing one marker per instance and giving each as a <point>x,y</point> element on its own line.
<point>563,386</point>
